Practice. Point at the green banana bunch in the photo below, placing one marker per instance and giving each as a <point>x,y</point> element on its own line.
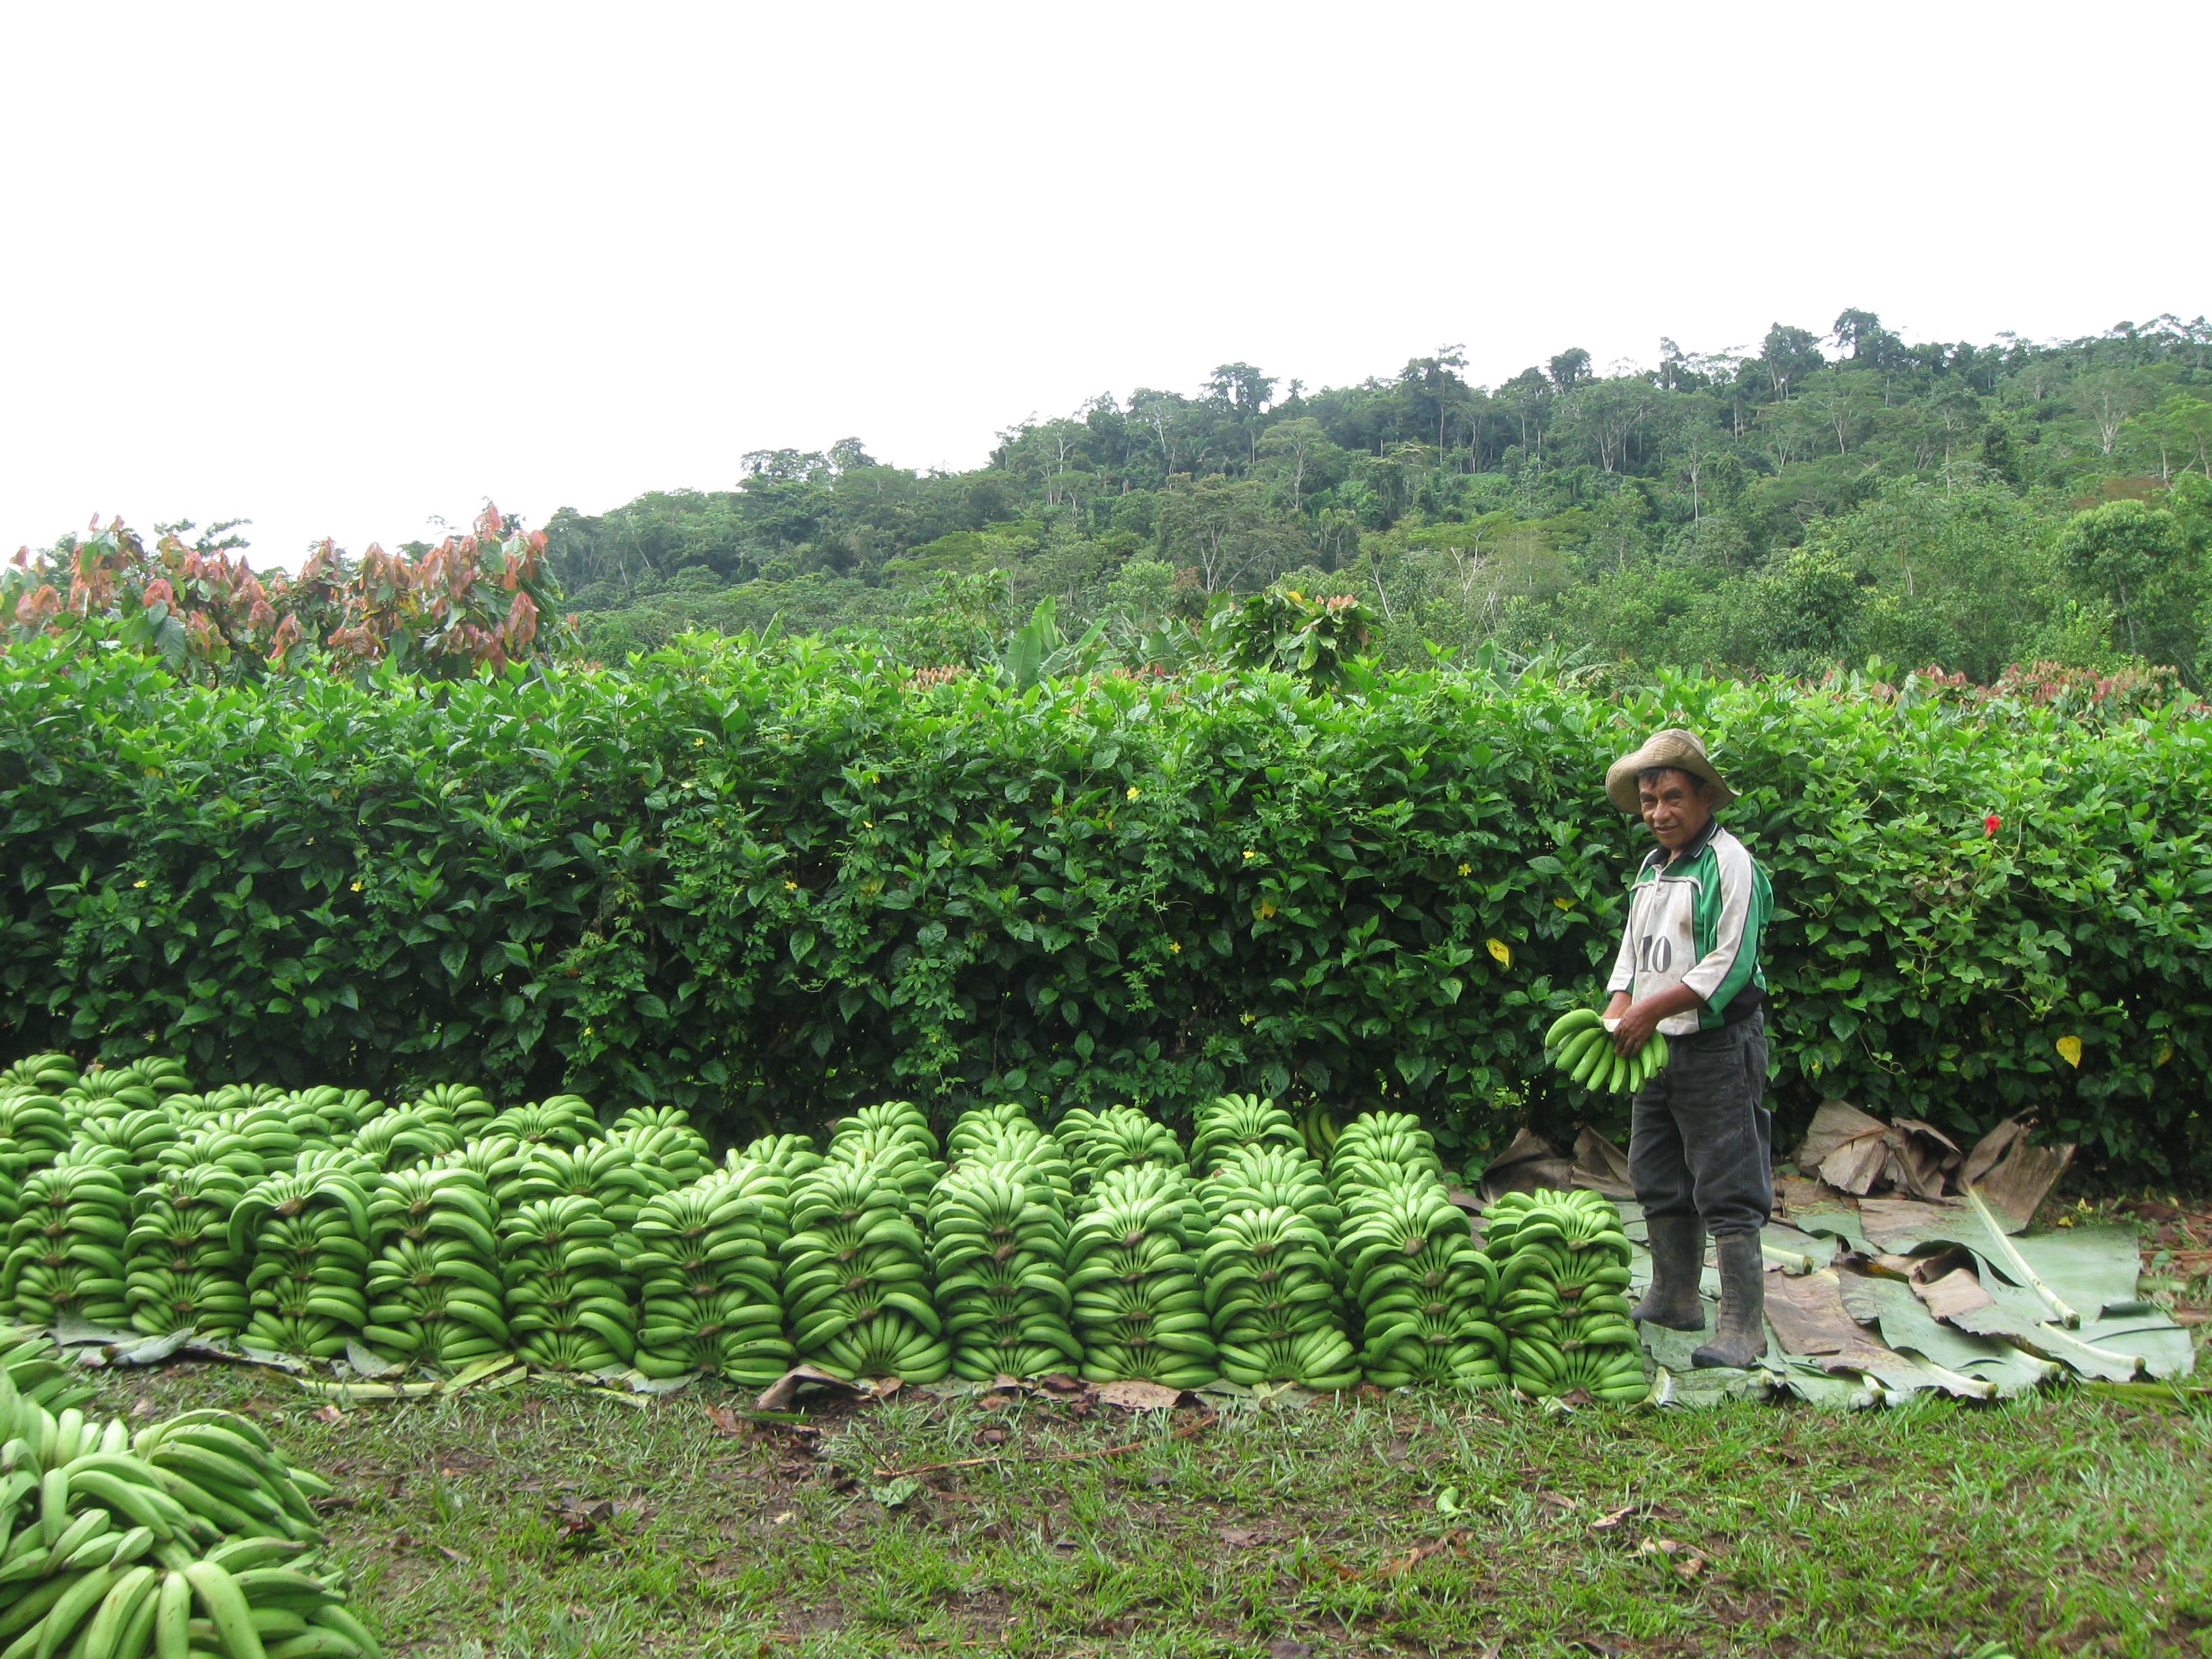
<point>998,1238</point>
<point>788,1156</point>
<point>204,1145</point>
<point>856,1277</point>
<point>110,1092</point>
<point>139,1135</point>
<point>495,1159</point>
<point>307,1233</point>
<point>39,1074</point>
<point>980,1125</point>
<point>1115,1139</point>
<point>181,1272</point>
<point>893,1139</point>
<point>325,1113</point>
<point>768,1186</point>
<point>1561,1293</point>
<point>1264,1178</point>
<point>13,1165</point>
<point>1014,1139</point>
<point>1421,1287</point>
<point>1271,1291</point>
<point>710,1284</point>
<point>111,1544</point>
<point>405,1137</point>
<point>1318,1130</point>
<point>1581,1048</point>
<point>663,1144</point>
<point>435,1296</point>
<point>33,1125</point>
<point>1233,1122</point>
<point>66,1251</point>
<point>1376,1148</point>
<point>459,1104</point>
<point>605,1170</point>
<point>556,1121</point>
<point>1137,1306</point>
<point>33,1367</point>
<point>568,1297</point>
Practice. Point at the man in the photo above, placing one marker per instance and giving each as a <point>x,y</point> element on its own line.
<point>1698,1151</point>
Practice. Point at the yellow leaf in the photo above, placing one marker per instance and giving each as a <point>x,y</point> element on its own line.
<point>2165,1053</point>
<point>1565,904</point>
<point>2069,1050</point>
<point>1502,952</point>
<point>1267,908</point>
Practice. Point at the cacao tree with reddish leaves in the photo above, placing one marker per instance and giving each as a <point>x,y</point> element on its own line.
<point>473,603</point>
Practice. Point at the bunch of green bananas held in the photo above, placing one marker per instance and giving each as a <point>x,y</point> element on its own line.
<point>1580,1044</point>
<point>556,1121</point>
<point>1138,1307</point>
<point>710,1286</point>
<point>856,1278</point>
<point>569,1299</point>
<point>1421,1285</point>
<point>1562,1262</point>
<point>1119,1138</point>
<point>997,1239</point>
<point>195,1536</point>
<point>1234,1123</point>
<point>306,1236</point>
<point>34,1369</point>
<point>1271,1178</point>
<point>435,1296</point>
<point>1006,1137</point>
<point>1271,1291</point>
<point>66,1250</point>
<point>661,1139</point>
<point>181,1274</point>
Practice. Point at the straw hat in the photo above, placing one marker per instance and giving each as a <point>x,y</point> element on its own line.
<point>1673,747</point>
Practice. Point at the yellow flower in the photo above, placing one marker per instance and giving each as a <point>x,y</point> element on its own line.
<point>1175,946</point>
<point>698,743</point>
<point>1133,791</point>
<point>1299,596</point>
<point>356,887</point>
<point>1467,869</point>
<point>868,823</point>
<point>1501,951</point>
<point>1249,1019</point>
<point>139,883</point>
<point>1249,853</point>
<point>791,887</point>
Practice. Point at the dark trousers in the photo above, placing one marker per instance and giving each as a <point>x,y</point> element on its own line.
<point>1700,1141</point>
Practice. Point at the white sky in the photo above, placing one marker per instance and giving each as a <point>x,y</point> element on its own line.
<point>339,268</point>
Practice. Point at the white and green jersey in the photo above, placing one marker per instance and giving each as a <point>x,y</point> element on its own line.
<point>1697,920</point>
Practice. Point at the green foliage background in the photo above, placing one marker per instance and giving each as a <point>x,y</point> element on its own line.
<point>772,881</point>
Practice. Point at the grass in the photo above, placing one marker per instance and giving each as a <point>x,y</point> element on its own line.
<point>544,1521</point>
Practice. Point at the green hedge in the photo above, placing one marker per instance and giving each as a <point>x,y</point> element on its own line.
<point>772,884</point>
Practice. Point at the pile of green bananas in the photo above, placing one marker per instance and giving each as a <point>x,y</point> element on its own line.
<point>139,1085</point>
<point>39,1074</point>
<point>31,1125</point>
<point>406,1137</point>
<point>856,1277</point>
<point>34,1369</point>
<point>1580,1044</point>
<point>998,1238</point>
<point>463,1104</point>
<point>1562,1281</point>
<point>708,1279</point>
<point>1119,1138</point>
<point>181,1272</point>
<point>435,1296</point>
<point>606,1171</point>
<point>1235,1122</point>
<point>1271,1291</point>
<point>556,1121</point>
<point>1379,1150</point>
<point>1138,1307</point>
<point>306,1234</point>
<point>139,1136</point>
<point>569,1302</point>
<point>66,1249</point>
<point>1421,1285</point>
<point>194,1536</point>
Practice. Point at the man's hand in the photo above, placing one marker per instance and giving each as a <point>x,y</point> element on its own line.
<point>1638,1020</point>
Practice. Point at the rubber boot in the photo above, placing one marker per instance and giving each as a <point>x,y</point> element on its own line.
<point>1678,1250</point>
<point>1741,1336</point>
